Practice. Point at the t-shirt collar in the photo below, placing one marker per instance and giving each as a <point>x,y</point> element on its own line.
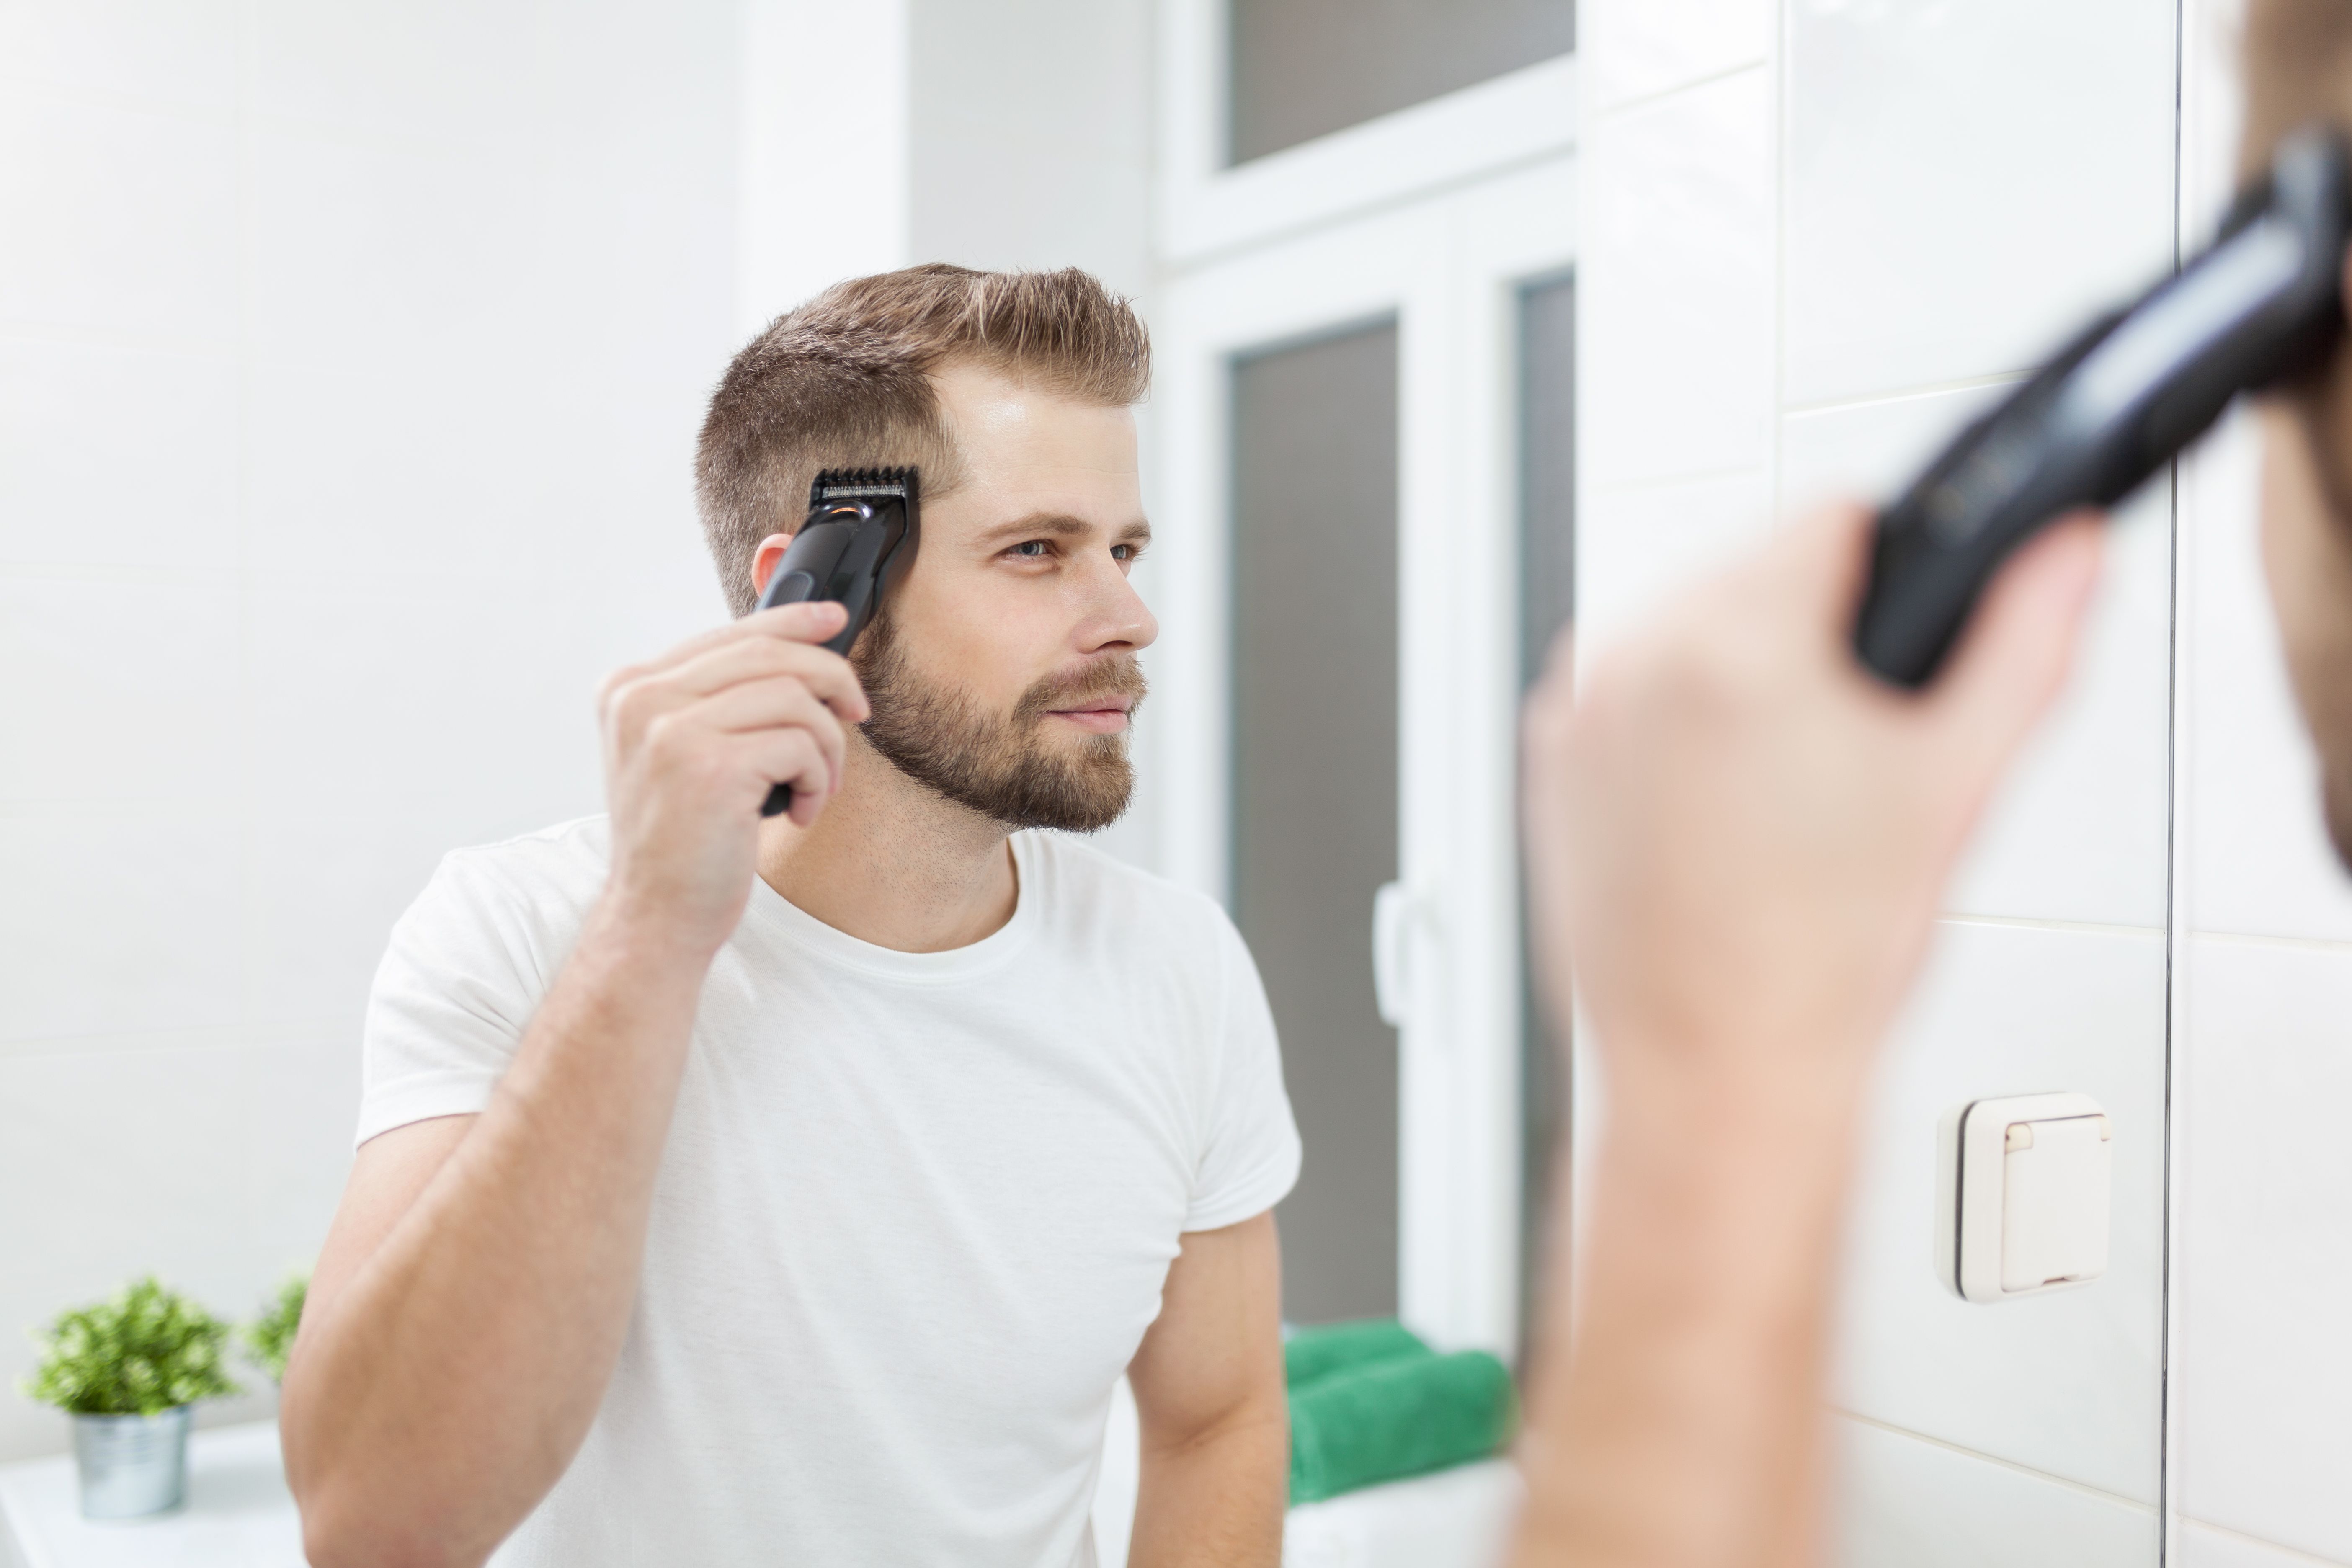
<point>771,910</point>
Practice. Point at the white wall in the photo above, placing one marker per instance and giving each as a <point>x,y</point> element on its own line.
<point>350,357</point>
<point>1031,140</point>
<point>1818,234</point>
<point>822,183</point>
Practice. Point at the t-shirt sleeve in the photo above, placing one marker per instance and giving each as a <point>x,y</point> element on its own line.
<point>457,986</point>
<point>1250,1156</point>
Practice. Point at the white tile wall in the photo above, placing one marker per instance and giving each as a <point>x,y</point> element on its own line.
<point>1634,48</point>
<point>118,690</point>
<point>181,53</point>
<point>351,359</point>
<point>367,253</point>
<point>1963,181</point>
<point>120,220</point>
<point>2078,831</point>
<point>166,499</point>
<point>444,70</point>
<point>1916,1504</point>
<point>2265,1249</point>
<point>1634,545</point>
<point>2070,1383</point>
<point>1676,309</point>
<point>1869,450</point>
<point>117,920</point>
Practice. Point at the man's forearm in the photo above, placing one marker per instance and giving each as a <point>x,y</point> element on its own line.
<point>1218,1501</point>
<point>1684,1426</point>
<point>457,1370</point>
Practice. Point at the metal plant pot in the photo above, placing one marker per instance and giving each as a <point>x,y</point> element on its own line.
<point>132,1465</point>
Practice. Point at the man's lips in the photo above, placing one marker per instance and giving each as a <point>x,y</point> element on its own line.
<point>1106,716</point>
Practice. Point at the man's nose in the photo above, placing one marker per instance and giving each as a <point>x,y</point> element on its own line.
<point>1119,617</point>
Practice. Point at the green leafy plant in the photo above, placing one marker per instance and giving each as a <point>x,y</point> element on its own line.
<point>142,1351</point>
<point>270,1338</point>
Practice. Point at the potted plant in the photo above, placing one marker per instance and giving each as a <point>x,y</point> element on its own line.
<point>270,1338</point>
<point>127,1370</point>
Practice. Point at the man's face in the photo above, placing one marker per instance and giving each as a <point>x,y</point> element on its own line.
<point>2308,555</point>
<point>1002,672</point>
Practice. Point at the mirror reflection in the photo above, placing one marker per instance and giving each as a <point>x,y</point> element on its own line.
<point>1175,781</point>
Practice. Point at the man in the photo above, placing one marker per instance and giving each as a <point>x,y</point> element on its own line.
<point>1742,839</point>
<point>734,1192</point>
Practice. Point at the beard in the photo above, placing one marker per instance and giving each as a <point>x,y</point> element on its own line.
<point>1000,765</point>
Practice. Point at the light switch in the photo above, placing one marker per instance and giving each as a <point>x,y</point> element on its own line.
<point>2022,1194</point>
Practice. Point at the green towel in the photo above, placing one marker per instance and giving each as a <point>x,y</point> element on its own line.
<point>1396,1417</point>
<point>1310,1354</point>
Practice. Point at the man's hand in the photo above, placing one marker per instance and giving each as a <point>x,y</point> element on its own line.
<point>693,742</point>
<point>1740,839</point>
<point>1740,836</point>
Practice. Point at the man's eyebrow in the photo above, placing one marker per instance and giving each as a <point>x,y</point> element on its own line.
<point>1061,524</point>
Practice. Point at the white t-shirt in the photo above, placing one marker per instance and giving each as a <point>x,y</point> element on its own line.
<point>914,1214</point>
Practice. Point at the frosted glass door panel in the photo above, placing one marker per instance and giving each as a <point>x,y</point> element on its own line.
<point>1547,601</point>
<point>1314,784</point>
<point>1304,68</point>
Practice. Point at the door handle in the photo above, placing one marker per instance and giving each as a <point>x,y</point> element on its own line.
<point>1397,913</point>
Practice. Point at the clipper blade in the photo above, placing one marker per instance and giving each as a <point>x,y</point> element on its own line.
<point>862,484</point>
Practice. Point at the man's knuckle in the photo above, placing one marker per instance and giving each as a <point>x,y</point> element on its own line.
<point>666,735</point>
<point>609,691</point>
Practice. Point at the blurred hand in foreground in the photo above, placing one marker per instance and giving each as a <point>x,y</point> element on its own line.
<point>1738,841</point>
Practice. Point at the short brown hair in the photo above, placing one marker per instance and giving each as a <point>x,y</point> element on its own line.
<point>2298,69</point>
<point>843,380</point>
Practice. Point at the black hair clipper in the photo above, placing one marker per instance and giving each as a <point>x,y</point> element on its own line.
<point>2261,303</point>
<point>858,536</point>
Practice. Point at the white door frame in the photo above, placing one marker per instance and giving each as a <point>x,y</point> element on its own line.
<point>1445,259</point>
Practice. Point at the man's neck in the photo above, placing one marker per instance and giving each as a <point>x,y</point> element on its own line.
<point>893,864</point>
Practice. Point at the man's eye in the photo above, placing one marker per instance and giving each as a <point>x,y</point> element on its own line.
<point>1031,549</point>
<point>1122,552</point>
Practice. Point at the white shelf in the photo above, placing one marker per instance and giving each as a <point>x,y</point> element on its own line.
<point>239,1513</point>
<point>1460,1518</point>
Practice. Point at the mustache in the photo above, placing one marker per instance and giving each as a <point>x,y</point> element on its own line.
<point>1118,675</point>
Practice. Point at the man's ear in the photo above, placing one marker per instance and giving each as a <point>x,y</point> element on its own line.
<point>763,560</point>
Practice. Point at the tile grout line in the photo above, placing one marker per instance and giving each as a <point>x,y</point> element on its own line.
<point>2264,938</point>
<point>1909,394</point>
<point>2033,922</point>
<point>1658,95</point>
<point>1695,476</point>
<point>2293,1554</point>
<point>2012,1465</point>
